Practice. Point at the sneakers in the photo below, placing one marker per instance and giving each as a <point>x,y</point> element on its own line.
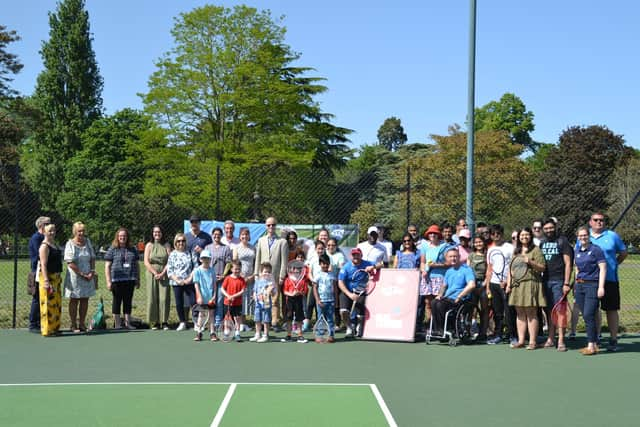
<point>255,338</point>
<point>165,327</point>
<point>572,336</point>
<point>244,328</point>
<point>301,339</point>
<point>198,337</point>
<point>349,333</point>
<point>494,340</point>
<point>331,339</point>
<point>513,341</point>
<point>286,339</point>
<point>181,327</point>
<point>612,346</point>
<point>264,338</point>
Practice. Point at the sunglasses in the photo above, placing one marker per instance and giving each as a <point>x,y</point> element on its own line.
<point>271,225</point>
<point>181,241</point>
<point>597,219</point>
<point>406,241</point>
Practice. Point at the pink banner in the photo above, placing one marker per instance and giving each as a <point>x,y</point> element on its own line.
<point>392,305</point>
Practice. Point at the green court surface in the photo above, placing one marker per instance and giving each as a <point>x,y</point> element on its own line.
<point>164,378</point>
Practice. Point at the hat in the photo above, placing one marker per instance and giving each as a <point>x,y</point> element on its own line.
<point>356,251</point>
<point>194,218</point>
<point>433,229</point>
<point>373,229</point>
<point>465,233</point>
<point>205,254</point>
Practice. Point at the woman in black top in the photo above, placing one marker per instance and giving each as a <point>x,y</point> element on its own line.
<point>123,274</point>
<point>50,264</point>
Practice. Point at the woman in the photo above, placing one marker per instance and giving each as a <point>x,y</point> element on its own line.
<point>433,267</point>
<point>591,271</point>
<point>477,260</point>
<point>464,248</point>
<point>156,257</point>
<point>123,275</point>
<point>407,256</point>
<point>50,259</point>
<point>180,265</point>
<point>246,254</point>
<point>526,293</point>
<point>220,256</point>
<point>292,242</point>
<point>81,280</point>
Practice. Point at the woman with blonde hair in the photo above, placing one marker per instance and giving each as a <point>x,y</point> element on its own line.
<point>123,275</point>
<point>180,266</point>
<point>81,280</point>
<point>50,280</point>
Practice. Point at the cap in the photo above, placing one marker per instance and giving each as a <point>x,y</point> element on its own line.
<point>356,251</point>
<point>465,233</point>
<point>205,254</point>
<point>373,229</point>
<point>433,229</point>
<point>194,218</point>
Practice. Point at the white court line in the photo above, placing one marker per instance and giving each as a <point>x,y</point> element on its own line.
<point>383,406</point>
<point>180,383</point>
<point>223,406</point>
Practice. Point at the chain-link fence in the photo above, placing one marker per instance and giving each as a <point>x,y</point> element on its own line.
<point>395,195</point>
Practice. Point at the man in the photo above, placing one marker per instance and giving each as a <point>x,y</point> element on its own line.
<point>496,282</point>
<point>270,248</point>
<point>536,227</point>
<point>447,234</point>
<point>197,239</point>
<point>386,243</point>
<point>228,239</point>
<point>372,250</point>
<point>558,257</point>
<point>412,230</point>
<point>348,288</point>
<point>459,284</point>
<point>34,254</point>
<point>461,224</point>
<point>615,252</point>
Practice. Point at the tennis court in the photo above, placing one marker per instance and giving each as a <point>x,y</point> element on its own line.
<point>164,378</point>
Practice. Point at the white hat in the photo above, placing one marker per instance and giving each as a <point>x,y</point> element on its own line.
<point>373,229</point>
<point>205,254</point>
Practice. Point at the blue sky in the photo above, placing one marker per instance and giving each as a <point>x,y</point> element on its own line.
<point>571,62</point>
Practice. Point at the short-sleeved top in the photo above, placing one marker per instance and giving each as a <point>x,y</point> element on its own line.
<point>456,279</point>
<point>337,261</point>
<point>434,254</point>
<point>373,253</point>
<point>409,260</point>
<point>302,287</point>
<point>202,239</point>
<point>220,256</point>
<point>75,285</point>
<point>611,245</point>
<point>124,263</point>
<point>205,278</point>
<point>180,265</point>
<point>507,252</point>
<point>259,290</point>
<point>346,273</point>
<point>247,257</point>
<point>325,282</point>
<point>233,285</point>
<point>554,251</point>
<point>478,263</point>
<point>587,261</point>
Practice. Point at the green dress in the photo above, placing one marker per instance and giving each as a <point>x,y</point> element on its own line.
<point>529,292</point>
<point>158,291</point>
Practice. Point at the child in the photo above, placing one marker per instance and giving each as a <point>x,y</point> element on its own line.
<point>324,285</point>
<point>204,281</point>
<point>232,288</point>
<point>294,300</point>
<point>264,292</point>
<point>313,264</point>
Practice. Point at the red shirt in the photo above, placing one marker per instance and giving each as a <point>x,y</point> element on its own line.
<point>233,285</point>
<point>303,286</point>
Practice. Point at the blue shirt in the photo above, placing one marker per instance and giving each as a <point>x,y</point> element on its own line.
<point>325,282</point>
<point>409,260</point>
<point>435,254</point>
<point>587,263</point>
<point>124,263</point>
<point>205,280</point>
<point>456,279</point>
<point>202,239</point>
<point>611,244</point>
<point>346,273</point>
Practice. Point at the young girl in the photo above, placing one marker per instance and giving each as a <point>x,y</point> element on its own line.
<point>232,288</point>
<point>204,279</point>
<point>313,264</point>
<point>294,299</point>
<point>477,260</point>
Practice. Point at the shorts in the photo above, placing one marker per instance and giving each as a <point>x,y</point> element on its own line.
<point>346,303</point>
<point>261,314</point>
<point>611,299</point>
<point>293,308</point>
<point>235,310</point>
<point>552,292</point>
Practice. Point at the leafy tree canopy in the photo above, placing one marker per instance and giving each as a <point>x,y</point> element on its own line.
<point>391,134</point>
<point>509,114</point>
<point>9,63</point>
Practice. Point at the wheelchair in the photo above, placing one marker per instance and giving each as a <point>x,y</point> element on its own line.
<point>457,326</point>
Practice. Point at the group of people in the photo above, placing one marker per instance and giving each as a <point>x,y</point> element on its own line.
<point>228,274</point>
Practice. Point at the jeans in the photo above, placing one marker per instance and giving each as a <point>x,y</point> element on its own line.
<point>34,313</point>
<point>184,294</point>
<point>587,300</point>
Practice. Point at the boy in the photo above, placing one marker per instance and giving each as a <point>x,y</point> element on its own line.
<point>324,293</point>
<point>204,280</point>
<point>264,292</point>
<point>232,288</point>
<point>294,292</point>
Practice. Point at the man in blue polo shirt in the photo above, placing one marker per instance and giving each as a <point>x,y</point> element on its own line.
<point>615,252</point>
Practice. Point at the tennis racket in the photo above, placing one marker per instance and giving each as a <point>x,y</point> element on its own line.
<point>296,272</point>
<point>228,326</point>
<point>201,317</point>
<point>362,285</point>
<point>321,329</point>
<point>560,313</point>
<point>518,269</point>
<point>498,264</point>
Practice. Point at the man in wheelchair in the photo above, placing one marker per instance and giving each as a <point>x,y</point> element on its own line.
<point>459,284</point>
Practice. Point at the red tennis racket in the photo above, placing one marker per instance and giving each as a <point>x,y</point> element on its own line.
<point>560,312</point>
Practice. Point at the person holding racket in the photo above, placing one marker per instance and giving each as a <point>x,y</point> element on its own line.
<point>204,280</point>
<point>295,289</point>
<point>232,288</point>
<point>324,292</point>
<point>264,292</point>
<point>349,297</point>
<point>524,287</point>
<point>591,274</point>
<point>558,257</point>
<point>477,260</point>
<point>498,258</point>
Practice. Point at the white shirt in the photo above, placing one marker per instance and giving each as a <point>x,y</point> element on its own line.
<point>232,244</point>
<point>374,253</point>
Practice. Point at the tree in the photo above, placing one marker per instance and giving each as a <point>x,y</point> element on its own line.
<point>9,63</point>
<point>509,114</point>
<point>68,93</point>
<point>625,184</point>
<point>575,181</point>
<point>391,134</point>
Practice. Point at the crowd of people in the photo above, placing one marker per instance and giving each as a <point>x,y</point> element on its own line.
<point>227,274</point>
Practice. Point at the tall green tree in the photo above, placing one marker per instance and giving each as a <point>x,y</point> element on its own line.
<point>508,114</point>
<point>391,134</point>
<point>9,63</point>
<point>625,184</point>
<point>68,93</point>
<point>575,180</point>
